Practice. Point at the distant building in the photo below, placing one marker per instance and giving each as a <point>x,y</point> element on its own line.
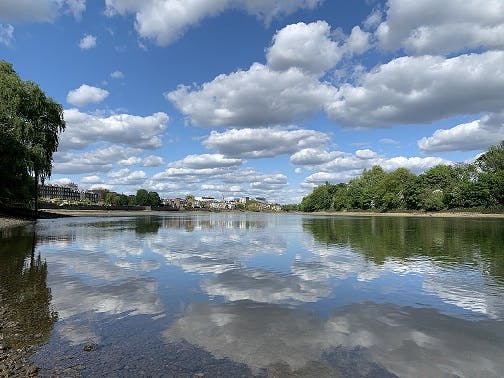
<point>100,194</point>
<point>69,192</point>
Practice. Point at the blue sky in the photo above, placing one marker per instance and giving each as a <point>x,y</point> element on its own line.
<point>260,98</point>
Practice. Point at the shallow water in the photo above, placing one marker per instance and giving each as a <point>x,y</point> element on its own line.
<point>260,294</point>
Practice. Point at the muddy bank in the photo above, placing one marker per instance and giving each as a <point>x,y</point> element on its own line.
<point>7,222</point>
<point>15,347</point>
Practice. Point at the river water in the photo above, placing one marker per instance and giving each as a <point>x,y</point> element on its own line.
<point>203,295</point>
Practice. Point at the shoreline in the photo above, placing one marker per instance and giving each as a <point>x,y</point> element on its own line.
<point>10,222</point>
<point>125,213</point>
<point>417,214</point>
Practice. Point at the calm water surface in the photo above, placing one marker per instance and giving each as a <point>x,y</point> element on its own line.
<point>260,295</point>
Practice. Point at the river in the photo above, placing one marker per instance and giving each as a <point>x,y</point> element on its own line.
<point>208,294</point>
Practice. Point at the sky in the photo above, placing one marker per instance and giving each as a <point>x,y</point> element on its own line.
<point>259,98</point>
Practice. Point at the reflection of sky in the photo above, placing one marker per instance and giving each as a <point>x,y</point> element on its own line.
<point>262,314</point>
<point>406,341</point>
<point>458,284</point>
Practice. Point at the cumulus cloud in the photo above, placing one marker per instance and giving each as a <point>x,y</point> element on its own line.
<point>215,172</point>
<point>40,10</point>
<point>98,160</point>
<point>259,96</point>
<point>152,161</point>
<point>133,178</point>
<point>287,88</point>
<point>136,131</point>
<point>263,142</point>
<point>94,179</point>
<point>411,90</point>
<point>165,21</point>
<point>475,135</point>
<point>6,34</point>
<point>133,160</point>
<point>86,94</point>
<point>313,156</point>
<point>209,161</point>
<point>337,166</point>
<point>305,46</point>
<point>433,27</point>
<point>87,42</point>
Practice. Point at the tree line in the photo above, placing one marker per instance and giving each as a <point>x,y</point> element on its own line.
<point>29,126</point>
<point>443,187</point>
<point>142,198</point>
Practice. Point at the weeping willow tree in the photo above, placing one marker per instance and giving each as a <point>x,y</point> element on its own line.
<point>30,123</point>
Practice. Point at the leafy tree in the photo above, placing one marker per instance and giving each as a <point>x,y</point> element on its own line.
<point>132,200</point>
<point>340,197</point>
<point>319,199</point>
<point>30,123</point>
<point>492,161</point>
<point>154,199</point>
<point>142,197</point>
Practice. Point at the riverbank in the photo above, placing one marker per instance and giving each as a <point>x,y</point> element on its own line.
<point>440,214</point>
<point>16,346</point>
<point>8,222</point>
<point>122,213</point>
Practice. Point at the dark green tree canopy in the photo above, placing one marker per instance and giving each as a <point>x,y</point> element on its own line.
<point>30,123</point>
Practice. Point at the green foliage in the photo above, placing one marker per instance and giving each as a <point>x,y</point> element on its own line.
<point>492,161</point>
<point>320,199</point>
<point>154,199</point>
<point>29,126</point>
<point>479,185</point>
<point>142,197</point>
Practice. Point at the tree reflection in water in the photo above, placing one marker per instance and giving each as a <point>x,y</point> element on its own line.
<point>25,299</point>
<point>477,242</point>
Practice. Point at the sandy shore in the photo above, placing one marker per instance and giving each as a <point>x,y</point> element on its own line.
<point>121,213</point>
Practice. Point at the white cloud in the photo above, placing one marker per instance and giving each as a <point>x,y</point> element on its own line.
<point>6,34</point>
<point>319,178</point>
<point>132,160</point>
<point>98,160</point>
<point>152,161</point>
<point>259,96</point>
<point>287,88</point>
<point>314,156</point>
<point>337,166</point>
<point>94,179</point>
<point>366,154</point>
<point>136,131</point>
<point>298,171</point>
<point>475,135</point>
<point>435,27</point>
<point>117,75</point>
<point>410,90</point>
<point>205,161</point>
<point>221,188</point>
<point>119,173</point>
<point>87,42</point>
<point>165,21</point>
<point>40,10</point>
<point>133,178</point>
<point>76,7</point>
<point>308,47</point>
<point>263,142</point>
<point>86,94</point>
<point>60,181</point>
